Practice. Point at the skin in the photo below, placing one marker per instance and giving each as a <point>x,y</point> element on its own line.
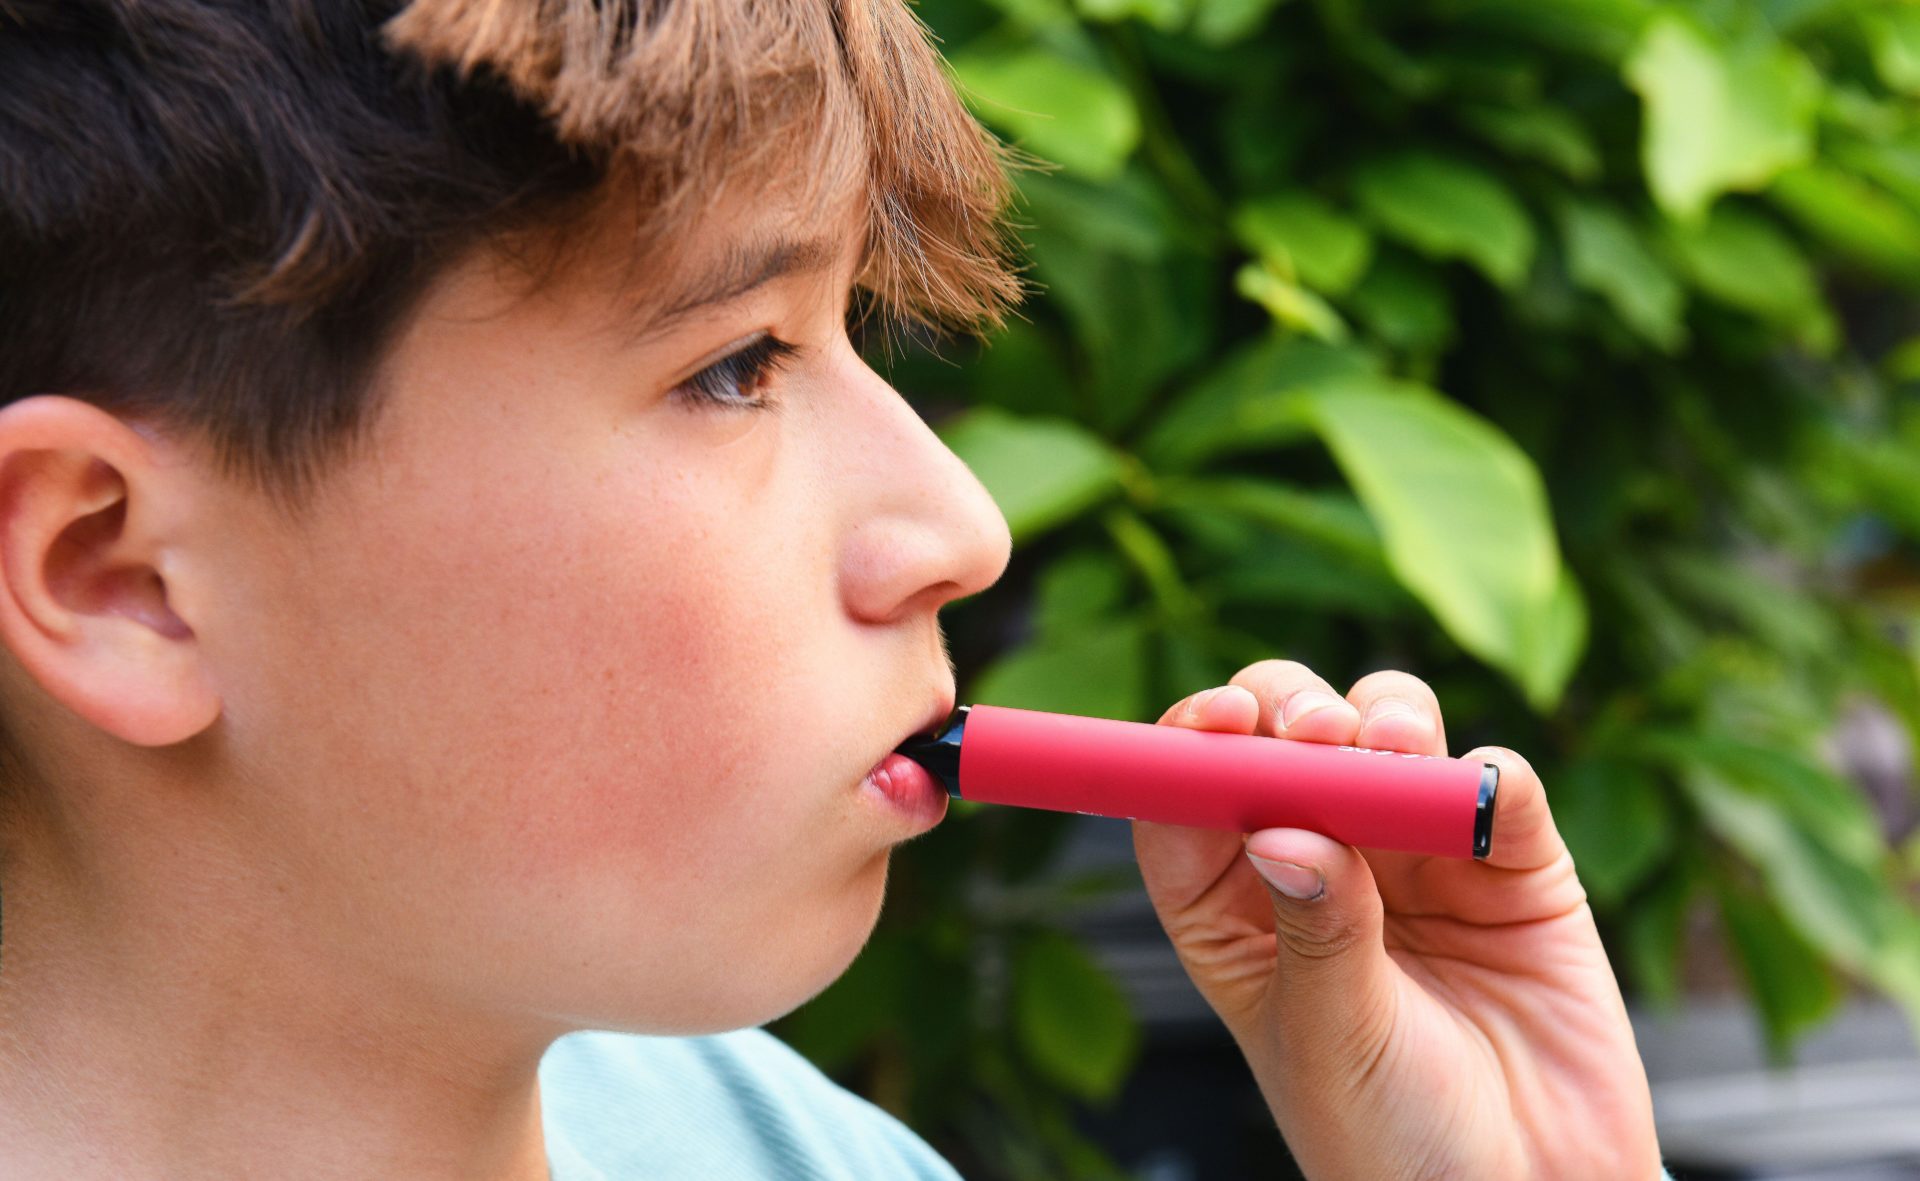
<point>1414,1016</point>
<point>349,818</point>
<point>346,818</point>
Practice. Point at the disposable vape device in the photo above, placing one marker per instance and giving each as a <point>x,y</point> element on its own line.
<point>1209,779</point>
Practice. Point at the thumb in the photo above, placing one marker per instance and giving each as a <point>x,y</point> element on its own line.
<point>1332,971</point>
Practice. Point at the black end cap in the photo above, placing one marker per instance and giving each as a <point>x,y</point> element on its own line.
<point>1483,811</point>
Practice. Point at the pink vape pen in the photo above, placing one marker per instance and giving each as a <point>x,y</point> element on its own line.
<point>1207,779</point>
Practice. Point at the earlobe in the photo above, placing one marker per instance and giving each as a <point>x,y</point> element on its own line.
<point>84,605</point>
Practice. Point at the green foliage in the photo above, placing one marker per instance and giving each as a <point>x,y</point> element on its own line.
<point>1447,208</point>
<point>1722,112</point>
<point>1040,471</point>
<point>1562,352</point>
<point>1071,1018</point>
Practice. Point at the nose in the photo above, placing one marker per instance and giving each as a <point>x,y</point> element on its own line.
<point>922,530</point>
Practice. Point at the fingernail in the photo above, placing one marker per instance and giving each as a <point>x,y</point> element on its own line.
<point>1305,702</point>
<point>1295,881</point>
<point>1200,703</point>
<point>1388,707</point>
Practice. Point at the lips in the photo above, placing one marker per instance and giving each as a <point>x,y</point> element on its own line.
<point>942,710</point>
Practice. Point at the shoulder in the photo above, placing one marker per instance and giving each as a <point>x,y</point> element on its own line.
<point>739,1104</point>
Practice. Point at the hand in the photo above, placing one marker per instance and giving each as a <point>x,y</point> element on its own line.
<point>1413,1016</point>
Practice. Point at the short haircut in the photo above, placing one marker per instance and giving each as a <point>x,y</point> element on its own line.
<point>219,212</point>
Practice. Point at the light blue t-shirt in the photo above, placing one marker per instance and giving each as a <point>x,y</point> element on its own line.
<point>739,1106</point>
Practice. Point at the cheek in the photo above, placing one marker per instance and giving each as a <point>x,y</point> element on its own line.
<point>590,687</point>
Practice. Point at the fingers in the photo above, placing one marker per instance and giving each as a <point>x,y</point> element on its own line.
<point>1177,864</point>
<point>1332,977</point>
<point>1398,712</point>
<point>1524,836</point>
<point>1296,703</point>
<point>1383,710</point>
<point>1226,707</point>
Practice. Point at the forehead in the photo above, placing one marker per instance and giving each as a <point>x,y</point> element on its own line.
<point>754,231</point>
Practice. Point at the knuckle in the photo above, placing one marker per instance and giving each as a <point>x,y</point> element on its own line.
<point>1507,758</point>
<point>1391,682</point>
<point>1322,943</point>
<point>1272,672</point>
<point>1185,708</point>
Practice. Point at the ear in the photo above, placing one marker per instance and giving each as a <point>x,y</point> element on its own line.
<point>89,519</point>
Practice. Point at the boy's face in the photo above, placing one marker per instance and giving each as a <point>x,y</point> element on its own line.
<point>560,703</point>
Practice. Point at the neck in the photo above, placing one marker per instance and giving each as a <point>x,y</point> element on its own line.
<point>147,1034</point>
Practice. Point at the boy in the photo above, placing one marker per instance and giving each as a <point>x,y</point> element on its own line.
<point>456,574</point>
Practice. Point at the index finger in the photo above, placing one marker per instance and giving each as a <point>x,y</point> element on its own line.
<point>1296,702</point>
<point>1524,835</point>
<point>1398,711</point>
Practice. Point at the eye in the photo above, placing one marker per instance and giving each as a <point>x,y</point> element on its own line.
<point>733,379</point>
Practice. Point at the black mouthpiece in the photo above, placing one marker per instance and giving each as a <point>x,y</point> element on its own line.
<point>939,752</point>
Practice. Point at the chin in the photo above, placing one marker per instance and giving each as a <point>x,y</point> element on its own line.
<point>822,972</point>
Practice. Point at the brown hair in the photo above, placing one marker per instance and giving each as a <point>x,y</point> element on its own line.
<point>219,213</point>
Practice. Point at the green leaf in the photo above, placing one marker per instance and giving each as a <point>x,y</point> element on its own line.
<point>1073,1022</point>
<point>1547,134</point>
<point>1655,929</point>
<point>1129,215</point>
<point>1790,982</point>
<point>1135,322</point>
<point>1604,29</point>
<point>1079,117</point>
<point>1223,22</point>
<point>1077,591</point>
<point>1291,305</point>
<point>1020,368</point>
<point>1042,472</point>
<point>1281,545</point>
<point>1879,470</point>
<point>1786,619</point>
<point>1825,806</point>
<point>1303,236</point>
<point>1605,255</point>
<point>1843,908</point>
<point>1902,362</point>
<point>1024,14</point>
<point>1892,163</point>
<point>1551,641</point>
<point>1188,659</point>
<point>1894,35</point>
<point>1249,401</point>
<point>1719,117</point>
<point>1856,218</point>
<point>1097,671</point>
<point>1798,18</point>
<point>1744,260</point>
<point>1616,822</point>
<point>1150,555</point>
<point>1404,303</point>
<point>1333,520</point>
<point>1165,15</point>
<point>1834,901</point>
<point>1447,208</point>
<point>1275,571</point>
<point>1467,527</point>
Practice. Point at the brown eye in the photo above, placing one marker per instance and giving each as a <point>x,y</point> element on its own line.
<point>732,380</point>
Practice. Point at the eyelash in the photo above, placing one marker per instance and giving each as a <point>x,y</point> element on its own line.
<point>723,382</point>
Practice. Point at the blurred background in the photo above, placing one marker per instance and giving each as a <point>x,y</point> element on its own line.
<point>1561,352</point>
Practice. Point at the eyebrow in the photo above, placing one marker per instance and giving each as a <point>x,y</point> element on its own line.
<point>741,270</point>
